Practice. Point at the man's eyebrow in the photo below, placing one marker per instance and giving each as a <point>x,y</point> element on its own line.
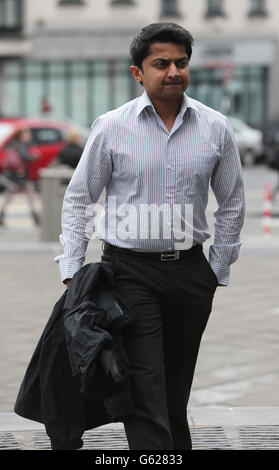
<point>185,57</point>
<point>160,58</point>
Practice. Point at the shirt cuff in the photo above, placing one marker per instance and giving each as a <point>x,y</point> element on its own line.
<point>222,272</point>
<point>67,267</point>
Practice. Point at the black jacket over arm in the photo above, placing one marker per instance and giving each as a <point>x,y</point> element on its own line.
<point>78,376</point>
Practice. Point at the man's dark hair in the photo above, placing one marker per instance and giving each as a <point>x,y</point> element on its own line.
<point>162,32</point>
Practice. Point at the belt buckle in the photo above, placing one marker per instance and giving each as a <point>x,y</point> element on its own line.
<point>170,255</point>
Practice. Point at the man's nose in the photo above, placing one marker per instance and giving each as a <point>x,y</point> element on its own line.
<point>173,70</point>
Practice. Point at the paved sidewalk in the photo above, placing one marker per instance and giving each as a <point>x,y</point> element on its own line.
<point>211,429</point>
<point>238,360</point>
<point>234,393</point>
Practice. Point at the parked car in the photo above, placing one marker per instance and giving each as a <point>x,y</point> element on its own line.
<point>249,141</point>
<point>48,139</point>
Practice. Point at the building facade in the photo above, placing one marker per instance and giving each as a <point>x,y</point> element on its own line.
<point>70,58</point>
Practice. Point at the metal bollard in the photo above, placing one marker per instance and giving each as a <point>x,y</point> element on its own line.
<point>53,186</point>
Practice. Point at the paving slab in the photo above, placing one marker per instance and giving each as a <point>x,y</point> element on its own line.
<point>211,429</point>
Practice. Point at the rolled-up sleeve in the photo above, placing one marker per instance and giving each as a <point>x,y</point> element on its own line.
<point>227,185</point>
<point>89,179</point>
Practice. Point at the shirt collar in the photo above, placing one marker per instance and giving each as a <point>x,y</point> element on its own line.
<point>145,102</point>
<point>190,103</point>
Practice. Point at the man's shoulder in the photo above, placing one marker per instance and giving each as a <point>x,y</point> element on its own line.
<point>120,114</point>
<point>207,112</point>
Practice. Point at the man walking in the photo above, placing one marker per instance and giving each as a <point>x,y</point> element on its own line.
<point>161,150</point>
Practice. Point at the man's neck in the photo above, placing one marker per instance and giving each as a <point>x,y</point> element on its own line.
<point>167,110</point>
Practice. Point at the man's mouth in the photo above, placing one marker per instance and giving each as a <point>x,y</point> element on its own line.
<point>173,83</point>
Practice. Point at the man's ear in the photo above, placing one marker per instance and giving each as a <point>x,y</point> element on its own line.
<point>137,73</point>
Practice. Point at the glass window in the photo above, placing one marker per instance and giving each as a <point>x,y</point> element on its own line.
<point>10,16</point>
<point>46,135</point>
<point>56,69</point>
<point>169,8</point>
<point>122,67</point>
<point>71,2</point>
<point>11,68</point>
<point>79,68</point>
<point>101,92</point>
<point>80,91</point>
<point>100,67</point>
<point>243,96</point>
<point>215,8</point>
<point>206,86</point>
<point>11,97</point>
<point>257,8</point>
<point>122,89</point>
<point>33,69</point>
<point>79,99</point>
<point>122,2</point>
<point>34,92</point>
<point>57,95</point>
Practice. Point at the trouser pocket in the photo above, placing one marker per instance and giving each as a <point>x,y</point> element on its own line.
<point>210,270</point>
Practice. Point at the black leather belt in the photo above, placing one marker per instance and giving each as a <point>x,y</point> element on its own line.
<point>173,255</point>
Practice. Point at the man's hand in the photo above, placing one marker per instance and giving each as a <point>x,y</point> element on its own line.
<point>67,282</point>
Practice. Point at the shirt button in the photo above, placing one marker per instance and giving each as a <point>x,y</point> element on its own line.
<point>168,195</point>
<point>169,167</point>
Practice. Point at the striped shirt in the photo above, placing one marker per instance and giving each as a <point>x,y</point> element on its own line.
<point>131,154</point>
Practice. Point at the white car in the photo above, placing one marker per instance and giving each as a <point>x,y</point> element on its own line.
<point>249,141</point>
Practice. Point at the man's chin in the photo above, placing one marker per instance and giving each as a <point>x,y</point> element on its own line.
<point>173,93</point>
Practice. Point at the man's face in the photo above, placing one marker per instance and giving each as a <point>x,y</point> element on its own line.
<point>165,71</point>
<point>26,136</point>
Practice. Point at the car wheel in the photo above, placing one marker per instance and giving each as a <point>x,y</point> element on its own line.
<point>248,158</point>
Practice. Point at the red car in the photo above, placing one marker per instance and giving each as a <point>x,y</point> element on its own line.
<point>48,138</point>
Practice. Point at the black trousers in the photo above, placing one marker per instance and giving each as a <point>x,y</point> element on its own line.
<point>173,302</point>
